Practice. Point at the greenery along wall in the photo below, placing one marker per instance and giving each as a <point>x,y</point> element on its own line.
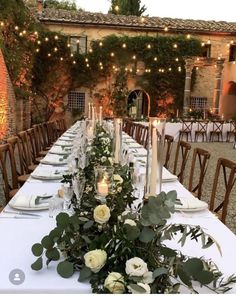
<point>38,60</point>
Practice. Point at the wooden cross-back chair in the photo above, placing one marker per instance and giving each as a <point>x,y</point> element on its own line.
<point>231,131</point>
<point>8,171</point>
<point>27,149</point>
<point>41,140</point>
<point>168,143</point>
<point>183,148</point>
<point>228,169</point>
<point>187,126</point>
<point>144,136</point>
<point>20,159</point>
<point>201,157</point>
<point>201,130</point>
<point>217,131</point>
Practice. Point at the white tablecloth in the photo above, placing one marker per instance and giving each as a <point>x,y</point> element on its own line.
<point>18,236</point>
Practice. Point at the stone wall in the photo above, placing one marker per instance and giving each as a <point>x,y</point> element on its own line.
<point>7,103</point>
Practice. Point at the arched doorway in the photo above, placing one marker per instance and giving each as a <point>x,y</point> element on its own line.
<point>138,104</point>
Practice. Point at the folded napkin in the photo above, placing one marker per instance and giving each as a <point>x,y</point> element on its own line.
<point>190,204</point>
<point>42,173</point>
<point>59,150</point>
<point>53,159</point>
<point>167,176</point>
<point>64,143</point>
<point>21,201</point>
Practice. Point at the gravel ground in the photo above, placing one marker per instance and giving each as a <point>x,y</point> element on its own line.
<point>216,150</point>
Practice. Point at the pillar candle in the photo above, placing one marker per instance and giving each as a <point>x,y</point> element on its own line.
<point>117,141</point>
<point>103,188</point>
<point>153,173</point>
<point>100,115</point>
<point>89,110</point>
<point>177,113</point>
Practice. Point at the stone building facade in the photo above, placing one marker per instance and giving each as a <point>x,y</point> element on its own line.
<point>216,72</point>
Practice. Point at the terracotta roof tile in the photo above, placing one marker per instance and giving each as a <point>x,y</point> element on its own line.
<point>154,23</point>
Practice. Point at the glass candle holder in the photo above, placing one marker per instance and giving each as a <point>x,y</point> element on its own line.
<point>117,141</point>
<point>155,150</point>
<point>103,181</point>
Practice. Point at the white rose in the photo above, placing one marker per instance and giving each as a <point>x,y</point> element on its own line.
<point>95,259</point>
<point>125,213</point>
<point>115,283</point>
<point>136,267</point>
<point>119,189</point>
<point>103,159</point>
<point>144,286</point>
<point>130,222</point>
<point>147,278</point>
<point>101,214</point>
<point>117,178</point>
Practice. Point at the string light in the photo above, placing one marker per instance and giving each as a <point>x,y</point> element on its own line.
<point>16,28</point>
<point>175,46</point>
<point>90,50</point>
<point>100,63</point>
<point>166,29</point>
<point>170,69</point>
<point>149,46</point>
<point>72,55</point>
<point>155,59</point>
<point>87,65</point>
<point>49,55</point>
<point>100,44</point>
<point>203,44</point>
<point>134,57</point>
<point>101,67</point>
<point>2,24</point>
<point>38,42</point>
<point>74,62</point>
<point>231,41</point>
<point>124,45</point>
<point>68,45</point>
<point>179,68</point>
<point>117,8</point>
<point>61,59</point>
<point>77,41</point>
<point>137,70</point>
<point>37,50</point>
<point>21,34</point>
<point>46,39</point>
<point>24,32</point>
<point>197,68</point>
<point>188,36</point>
<point>142,19</point>
<point>55,49</point>
<point>56,37</point>
<point>209,41</point>
<point>86,59</point>
<point>35,33</point>
<point>177,59</point>
<point>112,54</point>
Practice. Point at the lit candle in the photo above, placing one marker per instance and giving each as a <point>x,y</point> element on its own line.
<point>100,115</point>
<point>177,113</point>
<point>153,174</point>
<point>90,132</point>
<point>117,141</point>
<point>103,188</point>
<point>222,117</point>
<point>89,110</point>
<point>204,114</point>
<point>93,113</point>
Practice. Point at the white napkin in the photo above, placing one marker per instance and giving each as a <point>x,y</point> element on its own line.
<point>58,150</point>
<point>167,176</point>
<point>46,173</point>
<point>63,143</point>
<point>53,159</point>
<point>190,204</point>
<point>26,202</point>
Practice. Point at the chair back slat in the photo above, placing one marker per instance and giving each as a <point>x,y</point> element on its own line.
<point>228,170</point>
<point>168,144</point>
<point>182,149</point>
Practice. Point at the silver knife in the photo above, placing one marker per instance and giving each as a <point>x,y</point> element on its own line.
<point>21,213</point>
<point>19,217</point>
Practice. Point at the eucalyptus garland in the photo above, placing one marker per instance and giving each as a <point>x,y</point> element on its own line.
<point>119,246</point>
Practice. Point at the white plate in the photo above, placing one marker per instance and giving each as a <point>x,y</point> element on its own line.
<point>27,208</point>
<point>35,176</point>
<point>191,209</point>
<point>48,162</point>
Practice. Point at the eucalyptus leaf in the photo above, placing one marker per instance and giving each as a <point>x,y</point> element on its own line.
<point>88,224</point>
<point>137,289</point>
<point>84,274</point>
<point>193,266</point>
<point>62,220</point>
<point>204,277</point>
<point>159,271</point>
<point>37,249</point>
<point>53,254</point>
<point>167,252</point>
<point>146,235</point>
<point>184,277</point>
<point>65,269</point>
<point>38,264</point>
<point>131,232</point>
<point>47,242</point>
<point>55,234</point>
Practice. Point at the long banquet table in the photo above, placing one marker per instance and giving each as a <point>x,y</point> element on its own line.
<point>18,236</point>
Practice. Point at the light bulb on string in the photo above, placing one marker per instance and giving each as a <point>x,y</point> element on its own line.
<point>117,8</point>
<point>142,19</point>
<point>24,32</point>
<point>36,33</point>
<point>72,55</point>
<point>209,41</point>
<point>55,49</point>
<point>77,41</point>
<point>38,42</point>
<point>46,39</point>
<point>68,45</point>
<point>231,41</point>
<point>37,50</point>
<point>56,37</point>
<point>134,57</point>
<point>2,24</point>
<point>100,44</point>
<point>175,46</point>
<point>49,55</point>
<point>188,36</point>
<point>155,59</point>
<point>149,46</point>
<point>87,65</point>
<point>203,44</point>
<point>101,67</point>
<point>112,54</point>
<point>90,50</point>
<point>16,28</point>
<point>20,34</point>
<point>179,69</point>
<point>124,45</point>
<point>170,69</point>
<point>74,62</point>
<point>166,29</point>
<point>177,59</point>
<point>61,59</point>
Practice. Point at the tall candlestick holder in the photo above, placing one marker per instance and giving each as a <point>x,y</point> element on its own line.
<point>117,141</point>
<point>155,150</point>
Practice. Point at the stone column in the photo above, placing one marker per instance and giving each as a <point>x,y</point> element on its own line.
<point>189,64</point>
<point>218,82</point>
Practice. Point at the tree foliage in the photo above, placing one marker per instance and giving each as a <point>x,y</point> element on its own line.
<point>127,7</point>
<point>63,4</point>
